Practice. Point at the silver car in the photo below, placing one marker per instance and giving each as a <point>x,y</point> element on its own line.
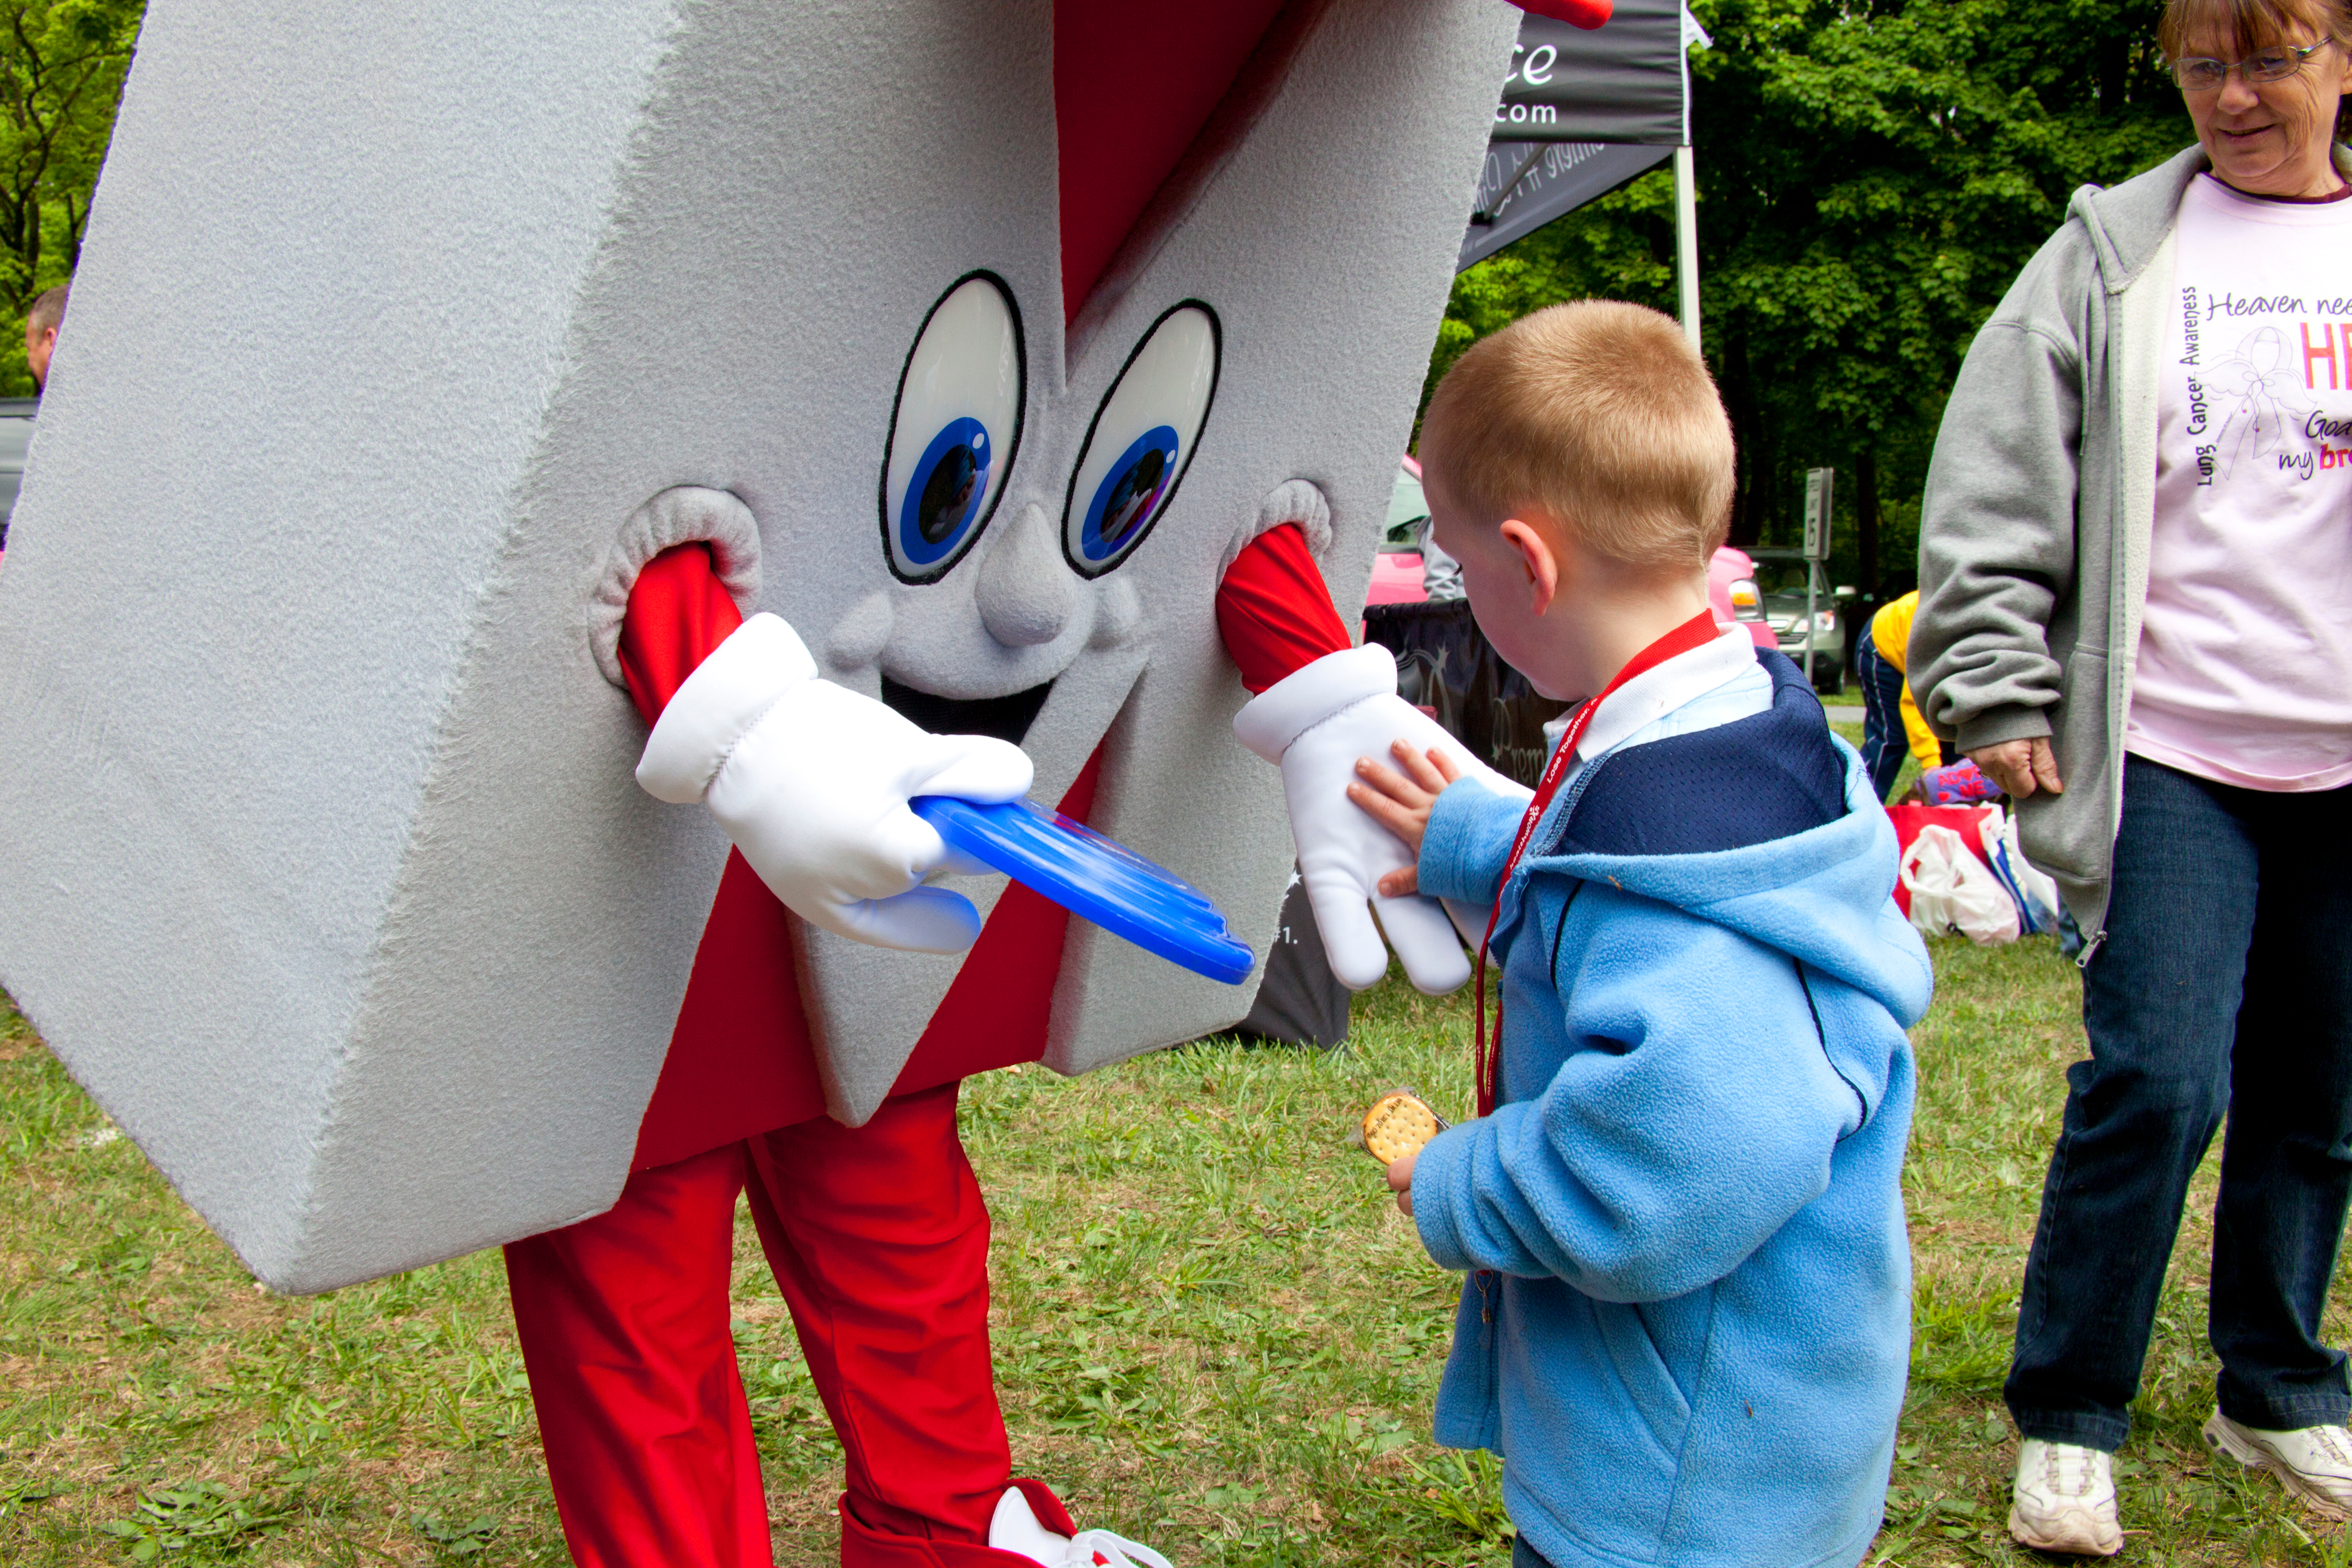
<point>15,437</point>
<point>1780,584</point>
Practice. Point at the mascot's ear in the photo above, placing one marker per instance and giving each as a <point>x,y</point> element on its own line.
<point>955,428</point>
<point>1585,13</point>
<point>1141,440</point>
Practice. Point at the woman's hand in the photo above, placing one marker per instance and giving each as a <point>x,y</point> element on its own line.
<point>2020,767</point>
<point>1402,804</point>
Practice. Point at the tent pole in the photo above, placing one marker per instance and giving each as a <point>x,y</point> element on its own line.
<point>1686,239</point>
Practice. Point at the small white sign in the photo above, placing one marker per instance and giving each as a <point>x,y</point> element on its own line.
<point>1818,483</point>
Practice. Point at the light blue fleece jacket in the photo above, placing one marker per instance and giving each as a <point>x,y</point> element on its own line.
<point>1690,1333</point>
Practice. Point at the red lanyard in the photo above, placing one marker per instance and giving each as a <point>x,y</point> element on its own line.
<point>1695,633</point>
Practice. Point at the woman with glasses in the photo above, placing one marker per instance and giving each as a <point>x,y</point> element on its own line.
<point>2136,615</point>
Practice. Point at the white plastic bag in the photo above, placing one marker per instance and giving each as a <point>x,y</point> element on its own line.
<point>1952,891</point>
<point>2035,895</point>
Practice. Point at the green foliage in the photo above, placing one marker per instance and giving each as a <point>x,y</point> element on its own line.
<point>61,67</point>
<point>203,1519</point>
<point>458,1539</point>
<point>1606,250</point>
<point>1872,174</point>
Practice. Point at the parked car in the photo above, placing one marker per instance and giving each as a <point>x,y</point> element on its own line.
<point>15,439</point>
<point>1780,595</point>
<point>1396,570</point>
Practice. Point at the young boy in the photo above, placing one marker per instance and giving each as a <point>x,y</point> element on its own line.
<point>1688,1322</point>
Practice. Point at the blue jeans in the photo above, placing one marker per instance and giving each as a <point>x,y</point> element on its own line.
<point>1884,743</point>
<point>2224,987</point>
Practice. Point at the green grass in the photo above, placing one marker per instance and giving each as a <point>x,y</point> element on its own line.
<point>1213,1332</point>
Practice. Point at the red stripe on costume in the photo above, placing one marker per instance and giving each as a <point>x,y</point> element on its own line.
<point>740,1062</point>
<point>1132,87</point>
<point>740,1059</point>
<point>996,1011</point>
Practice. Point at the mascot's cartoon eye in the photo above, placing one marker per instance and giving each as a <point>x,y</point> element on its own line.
<point>1141,440</point>
<point>956,428</point>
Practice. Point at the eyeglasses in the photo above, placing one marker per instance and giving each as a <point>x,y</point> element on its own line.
<point>2198,74</point>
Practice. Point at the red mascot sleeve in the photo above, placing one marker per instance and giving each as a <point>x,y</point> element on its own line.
<point>678,614</point>
<point>1273,611</point>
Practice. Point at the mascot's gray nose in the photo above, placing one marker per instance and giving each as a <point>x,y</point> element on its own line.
<point>1025,591</point>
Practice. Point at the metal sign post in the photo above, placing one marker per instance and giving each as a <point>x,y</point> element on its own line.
<point>1819,486</point>
<point>1687,240</point>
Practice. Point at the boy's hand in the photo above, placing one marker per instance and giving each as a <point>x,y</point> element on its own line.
<point>1314,723</point>
<point>1400,1180</point>
<point>1401,803</point>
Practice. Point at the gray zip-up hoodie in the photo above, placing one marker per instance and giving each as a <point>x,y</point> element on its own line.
<point>2033,539</point>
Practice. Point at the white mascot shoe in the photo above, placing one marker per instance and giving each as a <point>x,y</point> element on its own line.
<point>1314,724</point>
<point>2064,1500</point>
<point>812,781</point>
<point>2314,1463</point>
<point>1015,1528</point>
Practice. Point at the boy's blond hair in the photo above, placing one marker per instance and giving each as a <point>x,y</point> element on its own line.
<point>1599,413</point>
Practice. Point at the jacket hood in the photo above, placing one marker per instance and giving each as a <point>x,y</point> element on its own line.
<point>2126,222</point>
<point>1777,835</point>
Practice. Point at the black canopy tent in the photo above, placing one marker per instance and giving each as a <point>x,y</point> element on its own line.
<point>1582,113</point>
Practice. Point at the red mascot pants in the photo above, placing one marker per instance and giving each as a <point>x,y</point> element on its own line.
<point>878,1238</point>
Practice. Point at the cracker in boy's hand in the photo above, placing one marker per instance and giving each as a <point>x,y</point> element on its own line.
<point>1398,1125</point>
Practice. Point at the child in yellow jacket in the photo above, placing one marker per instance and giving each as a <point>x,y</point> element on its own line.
<point>1879,660</point>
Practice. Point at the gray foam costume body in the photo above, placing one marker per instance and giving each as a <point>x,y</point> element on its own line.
<point>326,872</point>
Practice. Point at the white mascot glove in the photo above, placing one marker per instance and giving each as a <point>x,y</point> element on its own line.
<point>1315,724</point>
<point>812,781</point>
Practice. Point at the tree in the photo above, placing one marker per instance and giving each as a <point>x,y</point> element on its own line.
<point>1872,173</point>
<point>62,64</point>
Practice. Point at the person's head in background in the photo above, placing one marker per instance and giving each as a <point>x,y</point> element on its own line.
<point>1578,464</point>
<point>2264,80</point>
<point>41,324</point>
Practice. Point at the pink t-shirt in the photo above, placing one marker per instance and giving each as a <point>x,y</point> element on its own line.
<point>2245,674</point>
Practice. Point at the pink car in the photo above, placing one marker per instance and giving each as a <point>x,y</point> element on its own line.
<point>1396,570</point>
<point>1396,580</point>
<point>1731,589</point>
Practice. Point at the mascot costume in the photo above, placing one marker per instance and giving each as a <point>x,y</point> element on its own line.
<point>529,494</point>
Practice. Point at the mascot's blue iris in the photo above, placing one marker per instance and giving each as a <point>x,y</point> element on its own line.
<point>944,494</point>
<point>1129,495</point>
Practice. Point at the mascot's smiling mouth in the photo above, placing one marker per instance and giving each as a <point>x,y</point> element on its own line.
<point>1006,717</point>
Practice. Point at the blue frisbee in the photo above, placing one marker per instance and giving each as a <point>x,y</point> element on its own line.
<point>1094,876</point>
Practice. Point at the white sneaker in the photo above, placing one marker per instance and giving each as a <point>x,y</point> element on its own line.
<point>1015,1528</point>
<point>2064,1500</point>
<point>2314,1463</point>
